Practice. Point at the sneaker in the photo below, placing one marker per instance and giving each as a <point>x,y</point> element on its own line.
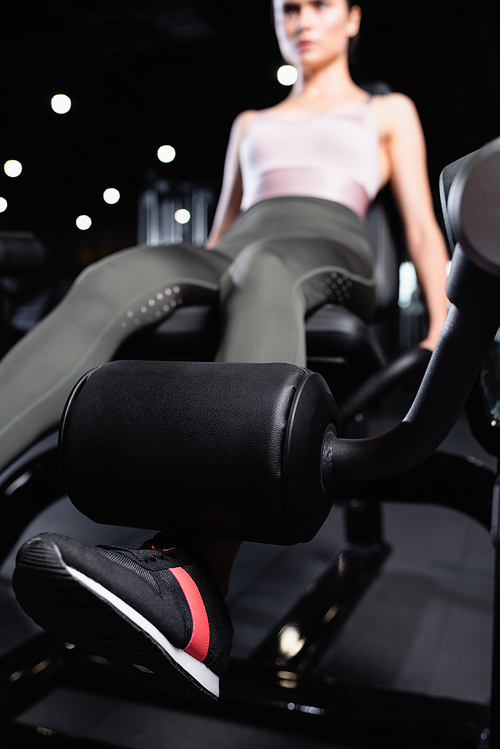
<point>156,612</point>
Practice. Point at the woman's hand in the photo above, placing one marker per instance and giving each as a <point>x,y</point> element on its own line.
<point>429,342</point>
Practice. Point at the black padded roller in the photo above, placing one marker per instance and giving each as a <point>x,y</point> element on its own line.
<point>234,450</point>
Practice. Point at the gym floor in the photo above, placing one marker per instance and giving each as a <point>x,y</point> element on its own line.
<point>423,626</point>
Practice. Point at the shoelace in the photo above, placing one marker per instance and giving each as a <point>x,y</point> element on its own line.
<point>152,545</point>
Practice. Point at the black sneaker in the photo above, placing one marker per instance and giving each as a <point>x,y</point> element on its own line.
<point>158,612</point>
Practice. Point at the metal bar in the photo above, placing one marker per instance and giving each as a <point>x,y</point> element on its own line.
<point>363,523</point>
<point>494,739</point>
<point>298,641</point>
<point>445,387</point>
<point>257,693</point>
<point>444,479</point>
<point>349,710</point>
<point>29,673</point>
<point>34,486</point>
<point>315,706</point>
<point>22,734</point>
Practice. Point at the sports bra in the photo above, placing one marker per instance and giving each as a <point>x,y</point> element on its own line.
<point>334,156</point>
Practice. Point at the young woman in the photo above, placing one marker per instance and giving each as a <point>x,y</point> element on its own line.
<point>287,236</point>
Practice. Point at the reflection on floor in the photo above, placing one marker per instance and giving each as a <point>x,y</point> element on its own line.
<point>425,624</point>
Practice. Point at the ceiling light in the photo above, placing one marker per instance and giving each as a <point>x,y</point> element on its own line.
<point>60,103</point>
<point>287,75</point>
<point>12,168</point>
<point>84,222</point>
<point>182,216</point>
<point>111,196</point>
<point>166,154</point>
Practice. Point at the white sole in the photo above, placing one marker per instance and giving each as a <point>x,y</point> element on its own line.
<point>197,670</point>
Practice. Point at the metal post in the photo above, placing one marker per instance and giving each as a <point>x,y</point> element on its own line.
<point>494,737</point>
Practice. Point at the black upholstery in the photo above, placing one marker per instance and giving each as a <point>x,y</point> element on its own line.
<point>445,182</point>
<point>20,254</point>
<point>251,469</point>
<point>385,233</point>
<point>472,210</point>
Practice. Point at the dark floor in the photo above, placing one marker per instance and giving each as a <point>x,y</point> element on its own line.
<point>424,625</point>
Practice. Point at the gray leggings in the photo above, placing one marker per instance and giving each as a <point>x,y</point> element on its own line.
<point>278,261</point>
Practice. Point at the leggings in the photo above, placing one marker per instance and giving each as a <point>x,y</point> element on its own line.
<point>279,260</point>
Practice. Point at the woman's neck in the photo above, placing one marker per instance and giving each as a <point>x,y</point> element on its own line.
<point>332,82</point>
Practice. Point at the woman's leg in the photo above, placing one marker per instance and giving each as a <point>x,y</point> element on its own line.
<point>110,300</point>
<point>270,287</point>
<point>266,293</point>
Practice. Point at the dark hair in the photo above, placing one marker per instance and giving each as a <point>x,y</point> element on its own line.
<point>353,43</point>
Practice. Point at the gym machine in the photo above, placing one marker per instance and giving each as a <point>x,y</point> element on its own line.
<point>273,685</point>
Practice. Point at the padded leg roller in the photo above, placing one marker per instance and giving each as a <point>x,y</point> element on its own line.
<point>232,450</point>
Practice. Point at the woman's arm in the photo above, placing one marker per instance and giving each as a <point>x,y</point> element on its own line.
<point>410,185</point>
<point>229,203</point>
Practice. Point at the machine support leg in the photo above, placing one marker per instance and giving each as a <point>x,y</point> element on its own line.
<point>494,727</point>
<point>363,522</point>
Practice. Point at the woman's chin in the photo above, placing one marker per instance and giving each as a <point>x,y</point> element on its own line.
<point>311,60</point>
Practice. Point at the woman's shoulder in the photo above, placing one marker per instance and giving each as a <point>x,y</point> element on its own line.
<point>394,111</point>
<point>243,119</point>
<point>394,105</point>
<point>246,115</point>
<point>241,124</point>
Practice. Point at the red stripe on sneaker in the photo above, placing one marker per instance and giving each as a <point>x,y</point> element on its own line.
<point>200,639</point>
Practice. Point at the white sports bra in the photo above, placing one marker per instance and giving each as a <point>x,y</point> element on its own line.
<point>334,156</point>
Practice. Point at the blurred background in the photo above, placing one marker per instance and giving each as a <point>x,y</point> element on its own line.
<point>141,75</point>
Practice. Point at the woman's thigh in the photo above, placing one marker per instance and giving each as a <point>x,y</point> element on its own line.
<point>273,284</point>
<point>109,301</point>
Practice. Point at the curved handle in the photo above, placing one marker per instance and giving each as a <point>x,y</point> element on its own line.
<point>412,362</point>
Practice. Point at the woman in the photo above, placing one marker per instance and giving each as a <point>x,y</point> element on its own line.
<point>298,180</point>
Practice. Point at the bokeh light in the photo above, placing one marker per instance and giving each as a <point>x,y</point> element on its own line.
<point>287,75</point>
<point>408,284</point>
<point>60,103</point>
<point>182,216</point>
<point>166,154</point>
<point>111,195</point>
<point>84,222</point>
<point>3,205</point>
<point>12,168</point>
